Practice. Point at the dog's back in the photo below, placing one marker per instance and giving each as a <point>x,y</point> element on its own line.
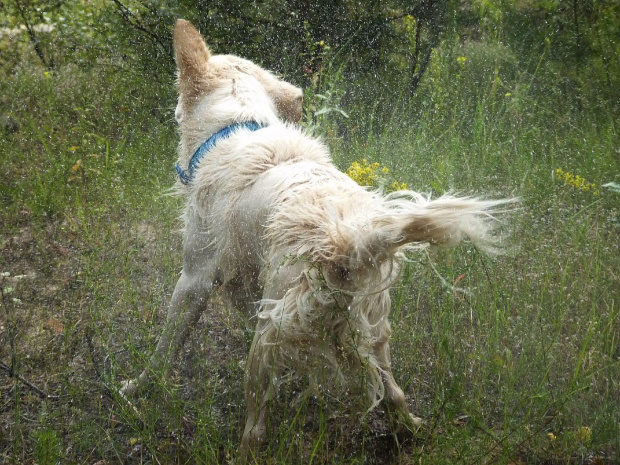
<point>238,186</point>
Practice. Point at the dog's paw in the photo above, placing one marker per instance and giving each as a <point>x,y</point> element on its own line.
<point>254,438</point>
<point>128,388</point>
<point>416,421</point>
<point>406,422</point>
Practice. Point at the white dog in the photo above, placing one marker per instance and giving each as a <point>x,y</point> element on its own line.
<point>270,219</point>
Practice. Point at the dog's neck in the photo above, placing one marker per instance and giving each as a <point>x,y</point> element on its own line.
<point>187,176</point>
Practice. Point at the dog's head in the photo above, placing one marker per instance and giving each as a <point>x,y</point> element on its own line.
<point>245,86</point>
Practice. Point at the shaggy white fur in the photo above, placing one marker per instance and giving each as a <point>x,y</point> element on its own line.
<point>292,239</point>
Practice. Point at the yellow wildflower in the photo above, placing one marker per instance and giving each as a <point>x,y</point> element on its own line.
<point>399,186</point>
<point>362,172</point>
<point>372,175</point>
<point>575,181</point>
<point>583,434</point>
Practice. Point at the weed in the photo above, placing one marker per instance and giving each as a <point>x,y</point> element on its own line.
<point>47,447</point>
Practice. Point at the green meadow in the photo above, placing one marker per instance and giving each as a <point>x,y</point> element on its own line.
<point>509,359</point>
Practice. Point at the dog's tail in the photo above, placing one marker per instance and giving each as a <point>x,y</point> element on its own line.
<point>414,219</point>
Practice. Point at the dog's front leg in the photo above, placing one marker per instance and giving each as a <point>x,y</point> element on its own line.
<point>188,300</point>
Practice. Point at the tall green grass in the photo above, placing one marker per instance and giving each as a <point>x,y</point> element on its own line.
<point>524,366</point>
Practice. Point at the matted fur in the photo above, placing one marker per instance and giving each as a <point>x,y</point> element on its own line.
<point>295,242</point>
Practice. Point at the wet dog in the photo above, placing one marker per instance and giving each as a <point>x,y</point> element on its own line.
<point>302,247</point>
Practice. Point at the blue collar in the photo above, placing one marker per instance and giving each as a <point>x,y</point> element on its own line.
<point>188,176</point>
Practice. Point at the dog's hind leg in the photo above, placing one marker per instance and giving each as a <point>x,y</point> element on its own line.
<point>262,368</point>
<point>394,399</point>
<point>188,301</point>
<point>261,371</point>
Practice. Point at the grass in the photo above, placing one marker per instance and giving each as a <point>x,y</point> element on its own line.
<point>522,368</point>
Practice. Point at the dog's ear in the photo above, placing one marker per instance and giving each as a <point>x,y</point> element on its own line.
<point>192,55</point>
<point>289,102</point>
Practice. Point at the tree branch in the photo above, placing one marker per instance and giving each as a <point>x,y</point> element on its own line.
<point>13,374</point>
<point>33,37</point>
<point>137,24</point>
